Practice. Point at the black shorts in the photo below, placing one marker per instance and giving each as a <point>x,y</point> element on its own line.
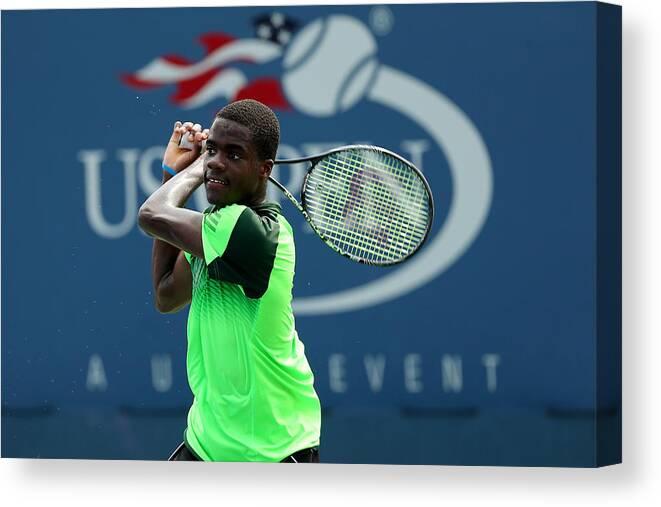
<point>310,455</point>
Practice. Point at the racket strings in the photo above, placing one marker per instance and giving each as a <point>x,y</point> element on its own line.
<point>381,193</point>
<point>368,204</point>
<point>381,197</point>
<point>362,219</point>
<point>376,188</point>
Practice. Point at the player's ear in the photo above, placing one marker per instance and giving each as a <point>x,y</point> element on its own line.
<point>266,168</point>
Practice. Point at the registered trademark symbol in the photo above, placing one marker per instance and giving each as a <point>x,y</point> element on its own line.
<point>381,20</point>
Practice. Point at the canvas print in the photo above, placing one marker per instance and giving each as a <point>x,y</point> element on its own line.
<point>379,234</point>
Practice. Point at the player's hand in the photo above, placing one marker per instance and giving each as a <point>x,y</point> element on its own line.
<point>179,158</point>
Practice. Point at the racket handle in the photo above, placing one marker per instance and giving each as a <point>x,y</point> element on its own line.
<point>185,144</point>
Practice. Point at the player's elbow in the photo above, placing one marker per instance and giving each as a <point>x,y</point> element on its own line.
<point>151,220</point>
<point>165,305</point>
<point>165,309</point>
<point>167,299</point>
<point>146,218</point>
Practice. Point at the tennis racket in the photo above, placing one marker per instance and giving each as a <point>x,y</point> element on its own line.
<point>368,204</point>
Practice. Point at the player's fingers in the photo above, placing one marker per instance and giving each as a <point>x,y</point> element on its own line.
<point>193,129</point>
<point>185,128</point>
<point>194,133</point>
<point>201,136</point>
<point>176,133</point>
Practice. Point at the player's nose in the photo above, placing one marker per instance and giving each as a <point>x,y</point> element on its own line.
<point>215,163</point>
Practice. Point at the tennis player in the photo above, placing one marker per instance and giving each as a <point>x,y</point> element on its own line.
<point>253,391</point>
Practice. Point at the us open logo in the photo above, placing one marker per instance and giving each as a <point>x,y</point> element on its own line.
<point>328,67</point>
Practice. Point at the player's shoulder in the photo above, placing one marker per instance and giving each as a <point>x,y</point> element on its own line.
<point>259,223</point>
<point>267,210</point>
<point>270,214</point>
<point>252,224</point>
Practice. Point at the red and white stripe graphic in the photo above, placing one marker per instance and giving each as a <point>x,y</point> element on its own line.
<point>200,82</point>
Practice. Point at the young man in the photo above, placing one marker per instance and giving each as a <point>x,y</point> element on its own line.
<point>254,398</point>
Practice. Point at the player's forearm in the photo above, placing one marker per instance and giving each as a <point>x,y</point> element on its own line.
<point>174,192</point>
<point>164,259</point>
<point>163,256</point>
<point>163,216</point>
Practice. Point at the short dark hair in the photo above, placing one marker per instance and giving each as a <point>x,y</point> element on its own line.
<point>260,120</point>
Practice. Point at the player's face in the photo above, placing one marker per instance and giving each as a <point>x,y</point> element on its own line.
<point>233,173</point>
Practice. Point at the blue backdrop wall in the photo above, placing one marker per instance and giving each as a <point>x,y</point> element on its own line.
<point>481,349</point>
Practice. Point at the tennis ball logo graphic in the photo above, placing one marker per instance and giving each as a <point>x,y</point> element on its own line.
<point>329,65</point>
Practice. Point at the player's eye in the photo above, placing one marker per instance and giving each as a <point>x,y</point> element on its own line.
<point>233,155</point>
<point>211,150</point>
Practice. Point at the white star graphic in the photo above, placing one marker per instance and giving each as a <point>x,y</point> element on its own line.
<point>277,19</point>
<point>264,31</point>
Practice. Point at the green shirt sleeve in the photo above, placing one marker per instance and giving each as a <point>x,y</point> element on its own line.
<point>240,247</point>
<point>217,228</point>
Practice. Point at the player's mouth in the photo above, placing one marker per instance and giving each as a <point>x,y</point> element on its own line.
<point>217,182</point>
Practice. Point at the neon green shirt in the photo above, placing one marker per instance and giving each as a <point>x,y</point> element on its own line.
<point>254,398</point>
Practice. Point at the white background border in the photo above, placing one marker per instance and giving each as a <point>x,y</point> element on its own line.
<point>637,482</point>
